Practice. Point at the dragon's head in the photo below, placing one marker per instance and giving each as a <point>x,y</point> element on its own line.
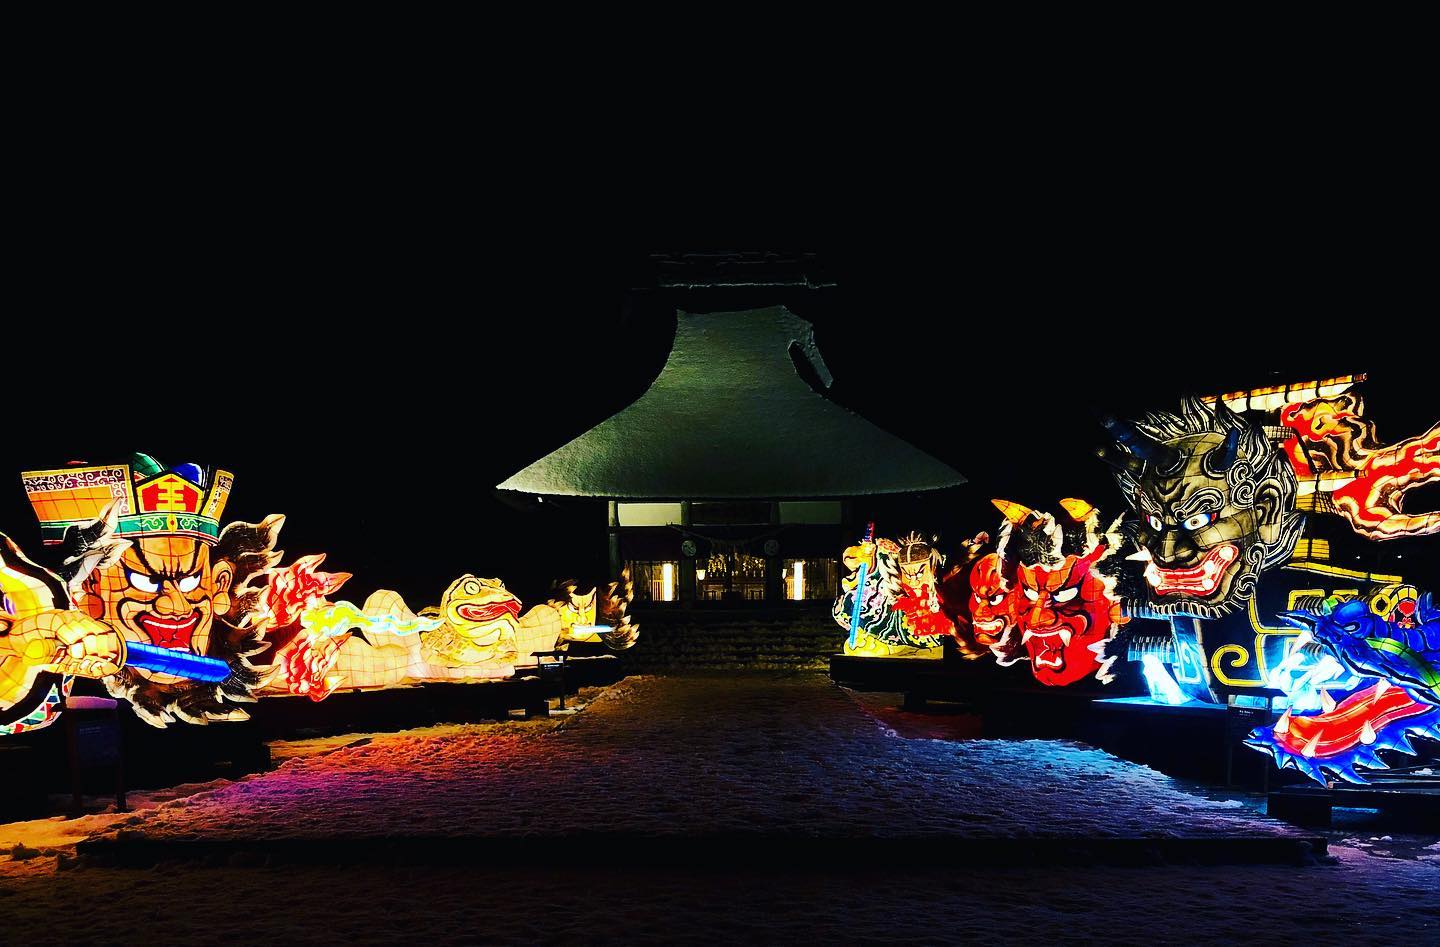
<point>1343,628</point>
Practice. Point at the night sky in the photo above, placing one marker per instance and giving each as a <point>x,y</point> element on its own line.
<point>374,384</point>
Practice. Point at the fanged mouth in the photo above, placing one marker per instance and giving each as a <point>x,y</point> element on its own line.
<point>1050,644</point>
<point>988,631</point>
<point>175,634</point>
<point>1202,579</point>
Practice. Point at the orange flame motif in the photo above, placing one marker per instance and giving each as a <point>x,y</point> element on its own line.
<point>1372,501</point>
<point>311,658</point>
<point>308,666</point>
<point>298,587</point>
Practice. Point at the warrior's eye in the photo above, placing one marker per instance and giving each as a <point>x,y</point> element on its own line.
<point>1065,595</point>
<point>1154,522</point>
<point>1199,521</point>
<point>189,583</point>
<point>997,599</point>
<point>1353,627</point>
<point>142,582</point>
<point>1031,594</point>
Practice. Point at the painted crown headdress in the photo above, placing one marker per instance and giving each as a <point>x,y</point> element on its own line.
<point>149,498</point>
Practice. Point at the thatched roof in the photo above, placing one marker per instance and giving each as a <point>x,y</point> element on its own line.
<point>731,417</point>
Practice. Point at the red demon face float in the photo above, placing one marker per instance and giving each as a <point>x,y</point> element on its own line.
<point>992,612</point>
<point>1064,602</point>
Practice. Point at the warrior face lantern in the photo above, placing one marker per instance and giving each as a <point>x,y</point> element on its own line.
<point>165,591</point>
<point>1216,504</point>
<point>1064,602</point>
<point>991,612</point>
<point>144,553</point>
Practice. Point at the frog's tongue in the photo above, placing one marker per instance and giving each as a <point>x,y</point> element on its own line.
<point>487,611</point>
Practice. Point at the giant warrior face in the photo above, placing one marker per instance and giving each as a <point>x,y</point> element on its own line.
<point>1215,500</point>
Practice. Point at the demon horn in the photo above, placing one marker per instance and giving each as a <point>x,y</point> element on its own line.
<point>1013,512</point>
<point>1120,460</point>
<point>1226,454</point>
<point>1139,443</point>
<point>1079,510</point>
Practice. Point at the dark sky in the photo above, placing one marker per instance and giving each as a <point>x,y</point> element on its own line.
<point>374,381</point>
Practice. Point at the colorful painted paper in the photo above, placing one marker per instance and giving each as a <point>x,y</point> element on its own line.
<point>892,588</point>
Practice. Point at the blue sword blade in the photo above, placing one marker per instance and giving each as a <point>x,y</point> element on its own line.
<point>859,600</point>
<point>196,667</point>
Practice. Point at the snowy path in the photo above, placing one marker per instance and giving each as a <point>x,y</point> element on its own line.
<point>723,754</point>
<point>695,755</point>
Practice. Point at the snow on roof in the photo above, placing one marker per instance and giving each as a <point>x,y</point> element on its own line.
<point>729,417</point>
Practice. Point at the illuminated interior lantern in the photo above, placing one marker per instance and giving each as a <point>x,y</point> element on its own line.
<point>667,582</point>
<point>797,582</point>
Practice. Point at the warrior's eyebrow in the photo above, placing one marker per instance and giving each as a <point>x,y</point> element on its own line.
<point>151,570</point>
<point>1203,500</point>
<point>140,554</point>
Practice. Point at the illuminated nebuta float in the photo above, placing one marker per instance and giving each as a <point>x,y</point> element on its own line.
<point>891,600</point>
<point>1251,508</point>
<point>477,633</point>
<point>189,621</point>
<point>163,596</point>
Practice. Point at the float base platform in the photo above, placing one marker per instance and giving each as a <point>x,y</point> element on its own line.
<point>1400,802</point>
<point>401,708</point>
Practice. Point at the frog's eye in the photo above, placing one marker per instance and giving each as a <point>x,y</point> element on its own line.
<point>1065,595</point>
<point>1199,521</point>
<point>141,582</point>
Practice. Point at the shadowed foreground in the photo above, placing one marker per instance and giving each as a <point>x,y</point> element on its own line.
<point>708,808</point>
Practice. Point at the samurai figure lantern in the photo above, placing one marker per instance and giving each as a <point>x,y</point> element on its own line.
<point>145,554</point>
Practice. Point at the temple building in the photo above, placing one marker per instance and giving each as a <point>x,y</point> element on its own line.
<point>732,479</point>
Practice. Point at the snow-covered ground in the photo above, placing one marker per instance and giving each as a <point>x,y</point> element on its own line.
<point>690,756</point>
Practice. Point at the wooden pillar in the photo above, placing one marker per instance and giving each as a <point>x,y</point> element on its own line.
<point>613,534</point>
<point>774,565</point>
<point>686,591</point>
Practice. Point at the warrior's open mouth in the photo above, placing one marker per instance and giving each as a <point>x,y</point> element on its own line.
<point>988,631</point>
<point>487,611</point>
<point>1203,578</point>
<point>1048,649</point>
<point>170,633</point>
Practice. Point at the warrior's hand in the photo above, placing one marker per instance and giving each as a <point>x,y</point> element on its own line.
<point>69,642</point>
